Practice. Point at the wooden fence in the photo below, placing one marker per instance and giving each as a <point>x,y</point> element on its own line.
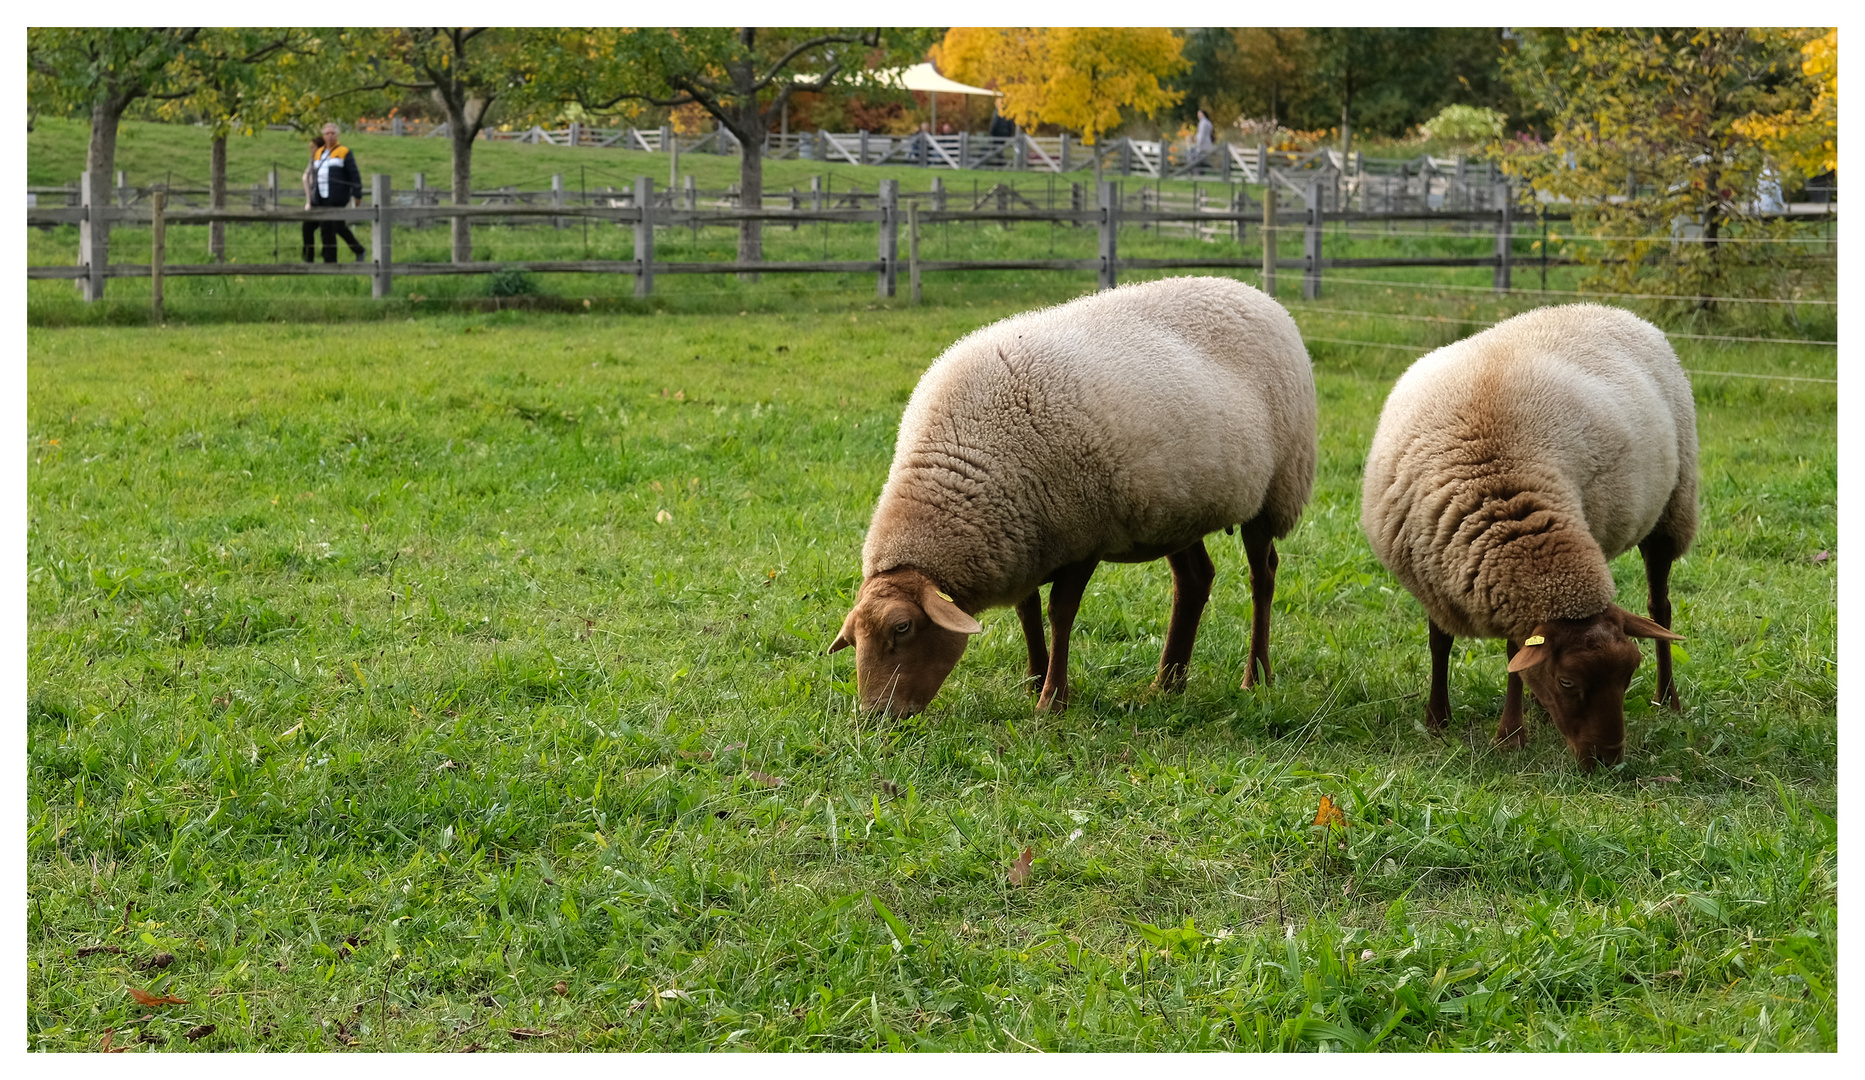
<point>645,209</point>
<point>1446,183</point>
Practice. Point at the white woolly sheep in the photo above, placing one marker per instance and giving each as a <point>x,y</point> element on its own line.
<point>1507,470</point>
<point>1120,427</point>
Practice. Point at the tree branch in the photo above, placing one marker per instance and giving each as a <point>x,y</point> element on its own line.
<point>870,39</point>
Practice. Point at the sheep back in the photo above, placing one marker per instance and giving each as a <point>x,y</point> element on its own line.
<point>1119,427</point>
<point>1508,467</point>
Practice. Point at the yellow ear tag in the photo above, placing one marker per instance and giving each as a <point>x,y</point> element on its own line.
<point>1536,640</point>
<point>947,597</point>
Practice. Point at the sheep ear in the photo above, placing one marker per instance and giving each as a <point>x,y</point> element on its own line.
<point>943,611</point>
<point>1533,651</point>
<point>846,636</point>
<point>1639,626</point>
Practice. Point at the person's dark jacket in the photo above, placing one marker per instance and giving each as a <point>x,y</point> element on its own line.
<point>345,181</point>
<point>1002,127</point>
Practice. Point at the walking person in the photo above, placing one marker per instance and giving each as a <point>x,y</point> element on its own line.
<point>332,181</point>
<point>1201,142</point>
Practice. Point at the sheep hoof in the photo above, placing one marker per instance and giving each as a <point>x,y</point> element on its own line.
<point>1171,680</point>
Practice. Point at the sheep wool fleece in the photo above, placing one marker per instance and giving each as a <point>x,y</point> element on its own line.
<point>1118,427</point>
<point>1509,467</point>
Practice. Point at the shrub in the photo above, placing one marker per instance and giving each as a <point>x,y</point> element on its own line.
<point>511,281</point>
<point>1465,124</point>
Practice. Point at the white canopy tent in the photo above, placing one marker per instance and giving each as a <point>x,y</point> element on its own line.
<point>923,79</point>
<point>920,78</point>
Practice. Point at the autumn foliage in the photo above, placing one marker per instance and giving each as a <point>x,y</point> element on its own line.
<point>1075,77</point>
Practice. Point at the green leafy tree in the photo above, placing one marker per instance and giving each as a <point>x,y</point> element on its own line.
<point>235,87</point>
<point>1654,146</point>
<point>103,71</point>
<point>466,70</point>
<point>742,76</point>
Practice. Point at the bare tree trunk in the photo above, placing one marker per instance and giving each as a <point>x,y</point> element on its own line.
<point>100,160</point>
<point>462,138</point>
<point>465,116</point>
<point>217,199</point>
<point>751,197</point>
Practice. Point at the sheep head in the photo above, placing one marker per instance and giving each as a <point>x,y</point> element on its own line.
<point>1579,669</point>
<point>907,637</point>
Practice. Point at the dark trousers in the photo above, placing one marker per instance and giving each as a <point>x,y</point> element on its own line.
<point>332,230</point>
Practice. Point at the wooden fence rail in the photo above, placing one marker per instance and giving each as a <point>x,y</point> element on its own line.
<point>645,211</point>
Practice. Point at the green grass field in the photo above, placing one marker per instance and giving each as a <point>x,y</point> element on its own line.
<point>458,682</point>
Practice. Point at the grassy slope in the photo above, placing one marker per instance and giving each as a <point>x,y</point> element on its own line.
<point>370,634</point>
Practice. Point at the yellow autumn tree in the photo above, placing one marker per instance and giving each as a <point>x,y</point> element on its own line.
<point>1075,77</point>
<point>1805,142</point>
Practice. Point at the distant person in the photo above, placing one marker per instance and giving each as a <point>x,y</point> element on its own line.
<point>945,128</point>
<point>332,181</point>
<point>1201,143</point>
<point>1002,127</point>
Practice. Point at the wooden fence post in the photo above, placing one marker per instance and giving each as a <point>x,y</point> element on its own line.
<point>93,236</point>
<point>1062,162</point>
<point>381,242</point>
<point>272,190</point>
<point>671,143</point>
<point>158,204</point>
<point>644,236</point>
<point>887,202</point>
<point>1505,235</point>
<point>815,193</point>
<point>556,198</point>
<point>1311,244</point>
<point>964,149</point>
<point>938,194</point>
<point>861,155</point>
<point>1269,242</point>
<point>1110,231</point>
<point>913,251</point>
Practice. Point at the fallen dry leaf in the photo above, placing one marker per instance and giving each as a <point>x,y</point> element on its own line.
<point>528,1033</point>
<point>150,1001</point>
<point>199,1032</point>
<point>766,779</point>
<point>1330,814</point>
<point>472,1048</point>
<point>1020,870</point>
<point>106,1048</point>
<point>662,517</point>
<point>92,950</point>
<point>561,988</point>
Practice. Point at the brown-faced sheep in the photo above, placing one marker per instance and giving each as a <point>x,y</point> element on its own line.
<point>1120,427</point>
<point>1508,468</point>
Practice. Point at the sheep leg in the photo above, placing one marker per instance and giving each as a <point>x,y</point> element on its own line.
<point>1260,546</point>
<point>1659,551</point>
<point>1064,601</point>
<point>1438,707</point>
<point>1030,614</point>
<point>1192,575</point>
<point>1509,732</point>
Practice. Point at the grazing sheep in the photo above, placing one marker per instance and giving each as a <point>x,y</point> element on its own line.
<point>1120,427</point>
<point>1507,470</point>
